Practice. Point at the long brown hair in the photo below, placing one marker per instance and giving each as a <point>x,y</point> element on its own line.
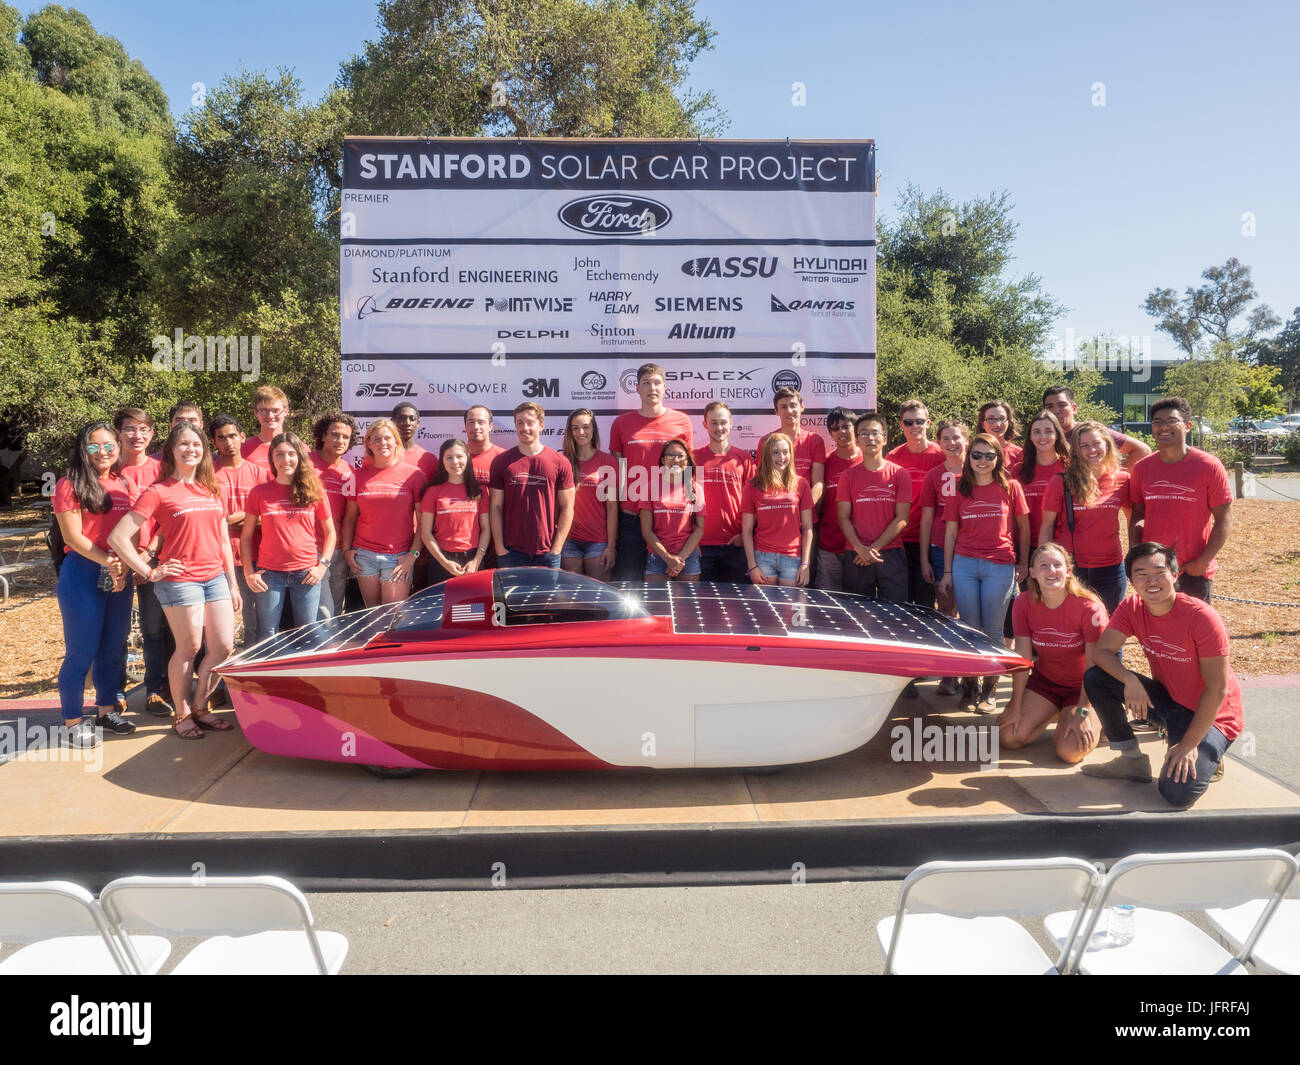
<point>304,486</point>
<point>204,474</point>
<point>1080,479</point>
<point>1013,427</point>
<point>1029,463</point>
<point>570,447</point>
<point>966,484</point>
<point>1073,586</point>
<point>766,478</point>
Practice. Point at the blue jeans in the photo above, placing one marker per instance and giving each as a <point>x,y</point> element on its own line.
<point>629,564</point>
<point>304,599</point>
<point>153,635</point>
<point>983,591</point>
<point>95,624</point>
<point>521,558</point>
<point>1107,695</point>
<point>249,609</point>
<point>1108,582</point>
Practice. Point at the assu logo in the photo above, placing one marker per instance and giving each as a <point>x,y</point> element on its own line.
<point>382,389</point>
<point>734,266</point>
<point>593,381</point>
<point>786,379</point>
<point>615,215</point>
<point>541,387</point>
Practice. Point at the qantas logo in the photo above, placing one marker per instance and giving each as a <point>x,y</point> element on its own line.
<point>824,306</point>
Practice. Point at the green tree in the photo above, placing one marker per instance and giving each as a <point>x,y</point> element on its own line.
<point>1283,351</point>
<point>1261,395</point>
<point>1211,383</point>
<point>1208,313</point>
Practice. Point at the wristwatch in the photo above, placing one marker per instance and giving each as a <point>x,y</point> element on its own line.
<point>326,562</point>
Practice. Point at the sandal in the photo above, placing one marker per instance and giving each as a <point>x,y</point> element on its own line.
<point>191,732</point>
<point>209,720</point>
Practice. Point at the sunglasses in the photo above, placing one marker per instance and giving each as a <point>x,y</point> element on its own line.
<point>983,456</point>
<point>909,422</point>
<point>95,449</point>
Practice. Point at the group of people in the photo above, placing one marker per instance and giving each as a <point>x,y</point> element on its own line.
<point>971,521</point>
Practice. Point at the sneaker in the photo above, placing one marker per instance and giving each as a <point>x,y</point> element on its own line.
<point>1218,772</point>
<point>158,706</point>
<point>1122,768</point>
<point>910,690</point>
<point>80,735</point>
<point>987,703</point>
<point>115,722</point>
<point>948,686</point>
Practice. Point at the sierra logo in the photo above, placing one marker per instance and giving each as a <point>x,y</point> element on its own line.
<point>615,215</point>
<point>734,266</point>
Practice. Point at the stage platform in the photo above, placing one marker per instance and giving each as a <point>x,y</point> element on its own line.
<point>156,804</point>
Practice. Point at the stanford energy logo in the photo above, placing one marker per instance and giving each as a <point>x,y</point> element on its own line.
<point>615,216</point>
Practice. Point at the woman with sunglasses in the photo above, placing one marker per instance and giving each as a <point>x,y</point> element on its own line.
<point>672,519</point>
<point>1082,510</point>
<point>1057,622</point>
<point>94,600</point>
<point>776,517</point>
<point>988,530</point>
<point>998,418</point>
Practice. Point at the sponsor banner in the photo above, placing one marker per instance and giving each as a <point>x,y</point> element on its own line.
<point>495,271</point>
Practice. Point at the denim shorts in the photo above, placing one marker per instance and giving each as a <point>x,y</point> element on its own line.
<point>584,548</point>
<point>782,567</point>
<point>376,564</point>
<point>654,565</point>
<point>193,593</point>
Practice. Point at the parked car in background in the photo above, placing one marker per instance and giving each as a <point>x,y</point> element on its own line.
<point>1249,425</point>
<point>1291,423</point>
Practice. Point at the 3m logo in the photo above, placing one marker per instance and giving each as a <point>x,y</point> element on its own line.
<point>541,387</point>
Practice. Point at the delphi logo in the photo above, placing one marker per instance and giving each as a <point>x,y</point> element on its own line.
<point>382,389</point>
<point>615,215</point>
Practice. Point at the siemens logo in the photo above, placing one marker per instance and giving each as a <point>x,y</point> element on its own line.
<point>695,304</point>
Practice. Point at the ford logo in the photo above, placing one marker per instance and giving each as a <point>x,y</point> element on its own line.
<point>615,215</point>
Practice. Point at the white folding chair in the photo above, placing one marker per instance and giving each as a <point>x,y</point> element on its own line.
<point>956,917</point>
<point>259,925</point>
<point>1155,885</point>
<point>1277,945</point>
<point>68,934</point>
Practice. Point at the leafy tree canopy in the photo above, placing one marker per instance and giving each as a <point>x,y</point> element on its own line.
<point>1205,315</point>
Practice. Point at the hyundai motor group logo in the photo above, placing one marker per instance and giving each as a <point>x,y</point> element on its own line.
<point>615,215</point>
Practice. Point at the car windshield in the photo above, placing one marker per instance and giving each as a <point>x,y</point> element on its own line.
<point>532,595</point>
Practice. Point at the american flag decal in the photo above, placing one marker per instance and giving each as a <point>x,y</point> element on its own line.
<point>467,612</point>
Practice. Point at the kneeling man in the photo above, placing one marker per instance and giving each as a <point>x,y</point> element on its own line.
<point>1192,690</point>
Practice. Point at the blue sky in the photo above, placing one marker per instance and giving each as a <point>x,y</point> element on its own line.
<point>1199,127</point>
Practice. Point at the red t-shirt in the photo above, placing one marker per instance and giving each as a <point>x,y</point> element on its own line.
<point>290,533</point>
<point>1059,635</point>
<point>1096,528</point>
<point>531,484</point>
<point>917,464</point>
<point>236,483</point>
<point>482,463</point>
<point>1174,645</point>
<point>424,461</point>
<point>639,440</point>
<point>339,482</point>
<point>809,447</point>
<point>829,537</point>
<point>986,521</point>
<point>1012,454</point>
<point>95,527</point>
<point>674,514</point>
<point>193,525</point>
<point>1178,497</point>
<point>1034,492</point>
<point>257,450</point>
<point>455,515</point>
<point>778,516</point>
<point>139,478</point>
<point>875,495</point>
<point>596,485</point>
<point>939,487</point>
<point>386,501</point>
<point>724,478</point>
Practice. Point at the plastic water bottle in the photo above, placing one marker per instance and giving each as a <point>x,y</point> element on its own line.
<point>1121,925</point>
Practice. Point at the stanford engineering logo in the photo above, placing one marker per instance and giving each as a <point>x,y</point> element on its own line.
<point>615,215</point>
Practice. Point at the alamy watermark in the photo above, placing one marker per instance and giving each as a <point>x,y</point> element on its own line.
<point>210,354</point>
<point>1101,353</point>
<point>915,741</point>
<point>44,743</point>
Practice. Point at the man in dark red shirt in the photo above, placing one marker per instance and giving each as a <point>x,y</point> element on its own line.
<point>1191,692</point>
<point>918,455</point>
<point>532,497</point>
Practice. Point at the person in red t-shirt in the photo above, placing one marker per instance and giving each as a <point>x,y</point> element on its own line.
<point>406,416</point>
<point>1060,401</point>
<point>1043,460</point>
<point>195,574</point>
<point>270,408</point>
<point>672,521</point>
<point>531,507</point>
<point>809,447</point>
<point>918,456</point>
<point>998,418</point>
<point>237,476</point>
<point>482,453</point>
<point>293,514</point>
<point>593,537</point>
<point>94,600</point>
<point>831,545</point>
<point>1057,623</point>
<point>1081,510</point>
<point>635,440</point>
<point>988,530</point>
<point>940,486</point>
<point>454,515</point>
<point>334,434</point>
<point>722,471</point>
<point>873,502</point>
<point>1190,501</point>
<point>776,524</point>
<point>379,523</point>
<point>1192,691</point>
